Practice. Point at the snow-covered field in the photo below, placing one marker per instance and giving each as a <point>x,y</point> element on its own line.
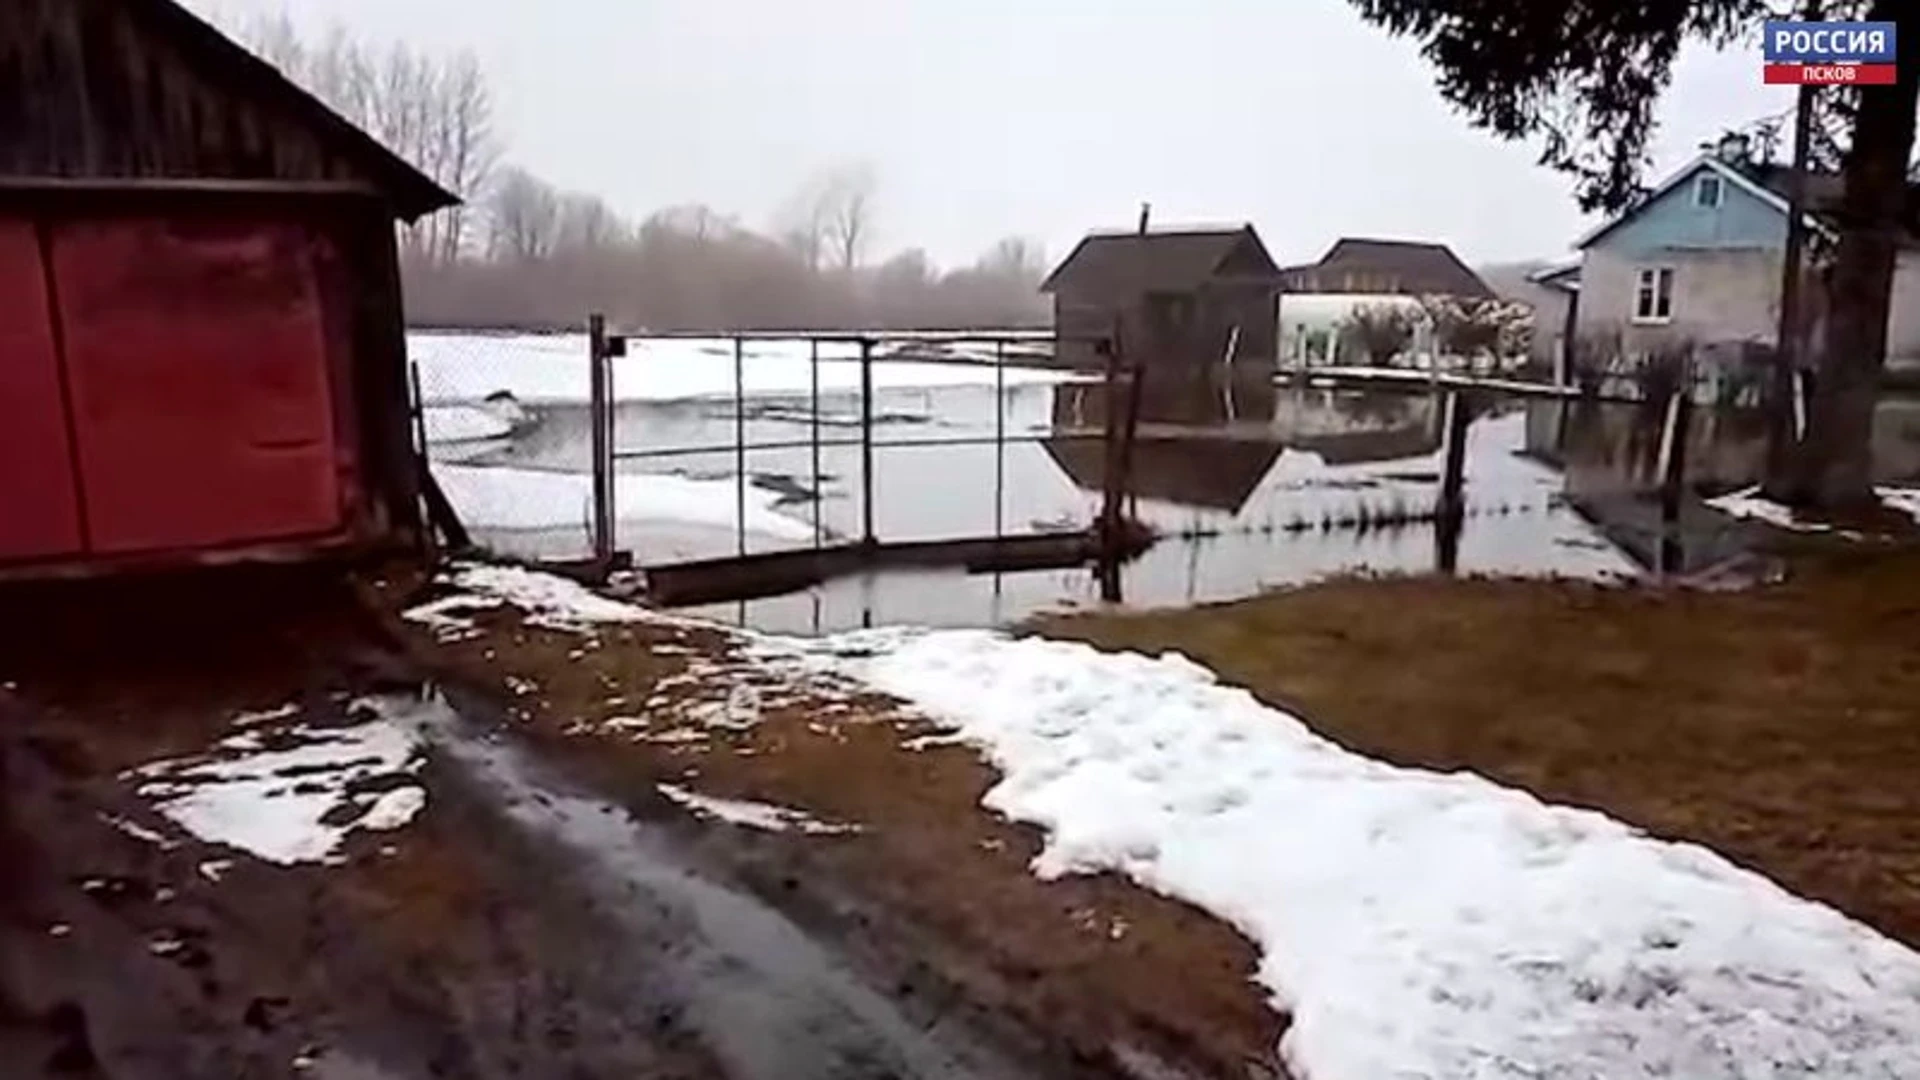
<point>545,369</point>
<point>1412,923</point>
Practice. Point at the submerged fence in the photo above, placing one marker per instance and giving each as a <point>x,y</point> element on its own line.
<point>825,407</point>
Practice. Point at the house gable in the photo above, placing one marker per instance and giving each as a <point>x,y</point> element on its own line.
<point>1248,259</point>
<point>1747,218</point>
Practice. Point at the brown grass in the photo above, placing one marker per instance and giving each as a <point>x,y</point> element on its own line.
<point>1780,726</point>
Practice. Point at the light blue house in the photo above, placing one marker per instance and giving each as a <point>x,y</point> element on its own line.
<point>1699,261</point>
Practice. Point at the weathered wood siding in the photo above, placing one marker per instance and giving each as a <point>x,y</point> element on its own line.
<point>88,88</point>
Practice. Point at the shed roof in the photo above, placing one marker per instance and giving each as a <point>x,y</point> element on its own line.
<point>1388,266</point>
<point>411,192</point>
<point>1169,259</point>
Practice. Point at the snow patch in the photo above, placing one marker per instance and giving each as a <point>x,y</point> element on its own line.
<point>550,600</point>
<point>489,497</point>
<point>291,794</point>
<point>1412,923</point>
<point>552,369</point>
<point>753,815</point>
<point>463,423</point>
<point>1749,503</point>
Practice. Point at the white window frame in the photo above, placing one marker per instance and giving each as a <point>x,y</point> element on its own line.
<point>1648,296</point>
<point>1700,189</point>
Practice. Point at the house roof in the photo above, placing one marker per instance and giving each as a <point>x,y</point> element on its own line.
<point>1766,182</point>
<point>1169,259</point>
<point>1388,266</point>
<point>411,192</point>
<point>1562,274</point>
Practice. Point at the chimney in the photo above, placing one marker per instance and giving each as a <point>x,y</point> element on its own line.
<point>1146,215</point>
<point>1736,148</point>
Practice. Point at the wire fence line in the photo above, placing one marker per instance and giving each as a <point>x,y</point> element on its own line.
<point>547,444</point>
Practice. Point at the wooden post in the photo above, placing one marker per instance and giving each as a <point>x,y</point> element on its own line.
<point>440,514</point>
<point>1673,476</point>
<point>1113,410</point>
<point>600,425</point>
<point>867,536</point>
<point>1451,510</point>
<point>740,443</point>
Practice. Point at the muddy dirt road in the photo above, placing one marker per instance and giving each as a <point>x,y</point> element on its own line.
<point>538,918</point>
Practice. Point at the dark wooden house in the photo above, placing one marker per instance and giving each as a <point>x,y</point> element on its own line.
<point>1180,298</point>
<point>202,352</point>
<point>1403,267</point>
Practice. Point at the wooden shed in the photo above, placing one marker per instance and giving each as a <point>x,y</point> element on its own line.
<point>1182,298</point>
<point>202,349</point>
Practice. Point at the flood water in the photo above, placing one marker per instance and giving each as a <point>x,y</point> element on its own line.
<point>1250,487</point>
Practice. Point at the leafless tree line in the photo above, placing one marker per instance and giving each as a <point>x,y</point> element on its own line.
<point>434,110</point>
<point>522,252</point>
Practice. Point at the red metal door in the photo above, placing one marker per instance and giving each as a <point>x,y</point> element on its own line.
<point>198,367</point>
<point>39,508</point>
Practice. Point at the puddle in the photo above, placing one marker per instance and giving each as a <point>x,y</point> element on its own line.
<point>765,998</point>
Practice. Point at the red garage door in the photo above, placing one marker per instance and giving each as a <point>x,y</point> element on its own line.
<point>39,511</point>
<point>198,370</point>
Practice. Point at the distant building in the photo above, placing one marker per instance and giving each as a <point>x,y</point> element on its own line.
<point>1182,298</point>
<point>1387,267</point>
<point>1700,260</point>
<point>1319,298</point>
<point>201,342</point>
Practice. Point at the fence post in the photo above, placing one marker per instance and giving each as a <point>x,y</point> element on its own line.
<point>1451,511</point>
<point>867,536</point>
<point>600,424</point>
<point>1673,477</point>
<point>999,442</point>
<point>740,443</point>
<point>1113,411</point>
<point>819,496</point>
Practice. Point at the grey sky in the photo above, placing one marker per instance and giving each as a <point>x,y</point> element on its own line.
<point>984,118</point>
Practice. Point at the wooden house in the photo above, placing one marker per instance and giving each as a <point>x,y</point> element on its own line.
<point>202,352</point>
<point>1179,298</point>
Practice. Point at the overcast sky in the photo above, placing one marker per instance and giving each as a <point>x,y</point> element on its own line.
<point>984,118</point>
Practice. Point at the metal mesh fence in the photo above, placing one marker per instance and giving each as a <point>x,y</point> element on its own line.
<point>505,417</point>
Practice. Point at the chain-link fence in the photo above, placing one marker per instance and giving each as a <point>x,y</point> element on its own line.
<point>506,420</point>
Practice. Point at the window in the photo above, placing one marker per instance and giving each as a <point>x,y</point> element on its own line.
<point>1653,295</point>
<point>1706,191</point>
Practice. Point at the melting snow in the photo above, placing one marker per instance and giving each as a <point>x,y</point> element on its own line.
<point>497,497</point>
<point>292,794</point>
<point>1413,923</point>
<point>552,369</point>
<point>753,815</point>
<point>1749,503</point>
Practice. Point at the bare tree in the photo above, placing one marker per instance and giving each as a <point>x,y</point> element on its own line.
<point>468,151</point>
<point>848,214</point>
<point>523,214</point>
<point>801,223</point>
<point>437,112</point>
<point>586,224</point>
